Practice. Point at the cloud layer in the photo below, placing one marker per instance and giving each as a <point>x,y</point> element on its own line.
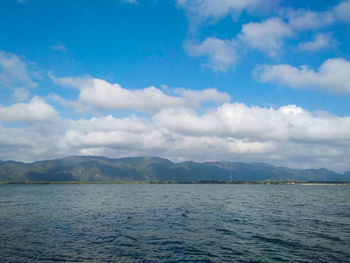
<point>320,41</point>
<point>289,135</point>
<point>207,9</point>
<point>15,76</point>
<point>101,95</point>
<point>332,76</point>
<point>36,110</point>
<point>269,36</point>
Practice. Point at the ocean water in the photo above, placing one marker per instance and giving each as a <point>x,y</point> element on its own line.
<point>174,223</point>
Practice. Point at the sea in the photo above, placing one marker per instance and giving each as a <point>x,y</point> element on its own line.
<point>174,223</point>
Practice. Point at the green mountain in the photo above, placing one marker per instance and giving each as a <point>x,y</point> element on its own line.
<point>102,169</point>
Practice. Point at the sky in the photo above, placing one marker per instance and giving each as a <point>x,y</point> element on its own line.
<point>202,80</point>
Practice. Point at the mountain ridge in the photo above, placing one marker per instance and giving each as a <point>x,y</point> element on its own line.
<point>155,169</point>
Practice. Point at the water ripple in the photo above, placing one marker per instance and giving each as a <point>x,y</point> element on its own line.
<point>174,223</point>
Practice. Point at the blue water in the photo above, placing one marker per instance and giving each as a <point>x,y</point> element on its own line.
<point>174,223</point>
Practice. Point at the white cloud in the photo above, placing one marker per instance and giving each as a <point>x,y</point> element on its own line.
<point>221,54</point>
<point>257,124</point>
<point>130,1</point>
<point>333,76</point>
<point>205,9</point>
<point>59,46</point>
<point>341,11</point>
<point>36,110</point>
<point>196,97</point>
<point>289,135</point>
<point>109,132</point>
<point>37,141</point>
<point>102,95</point>
<point>309,20</point>
<point>264,134</point>
<point>321,41</point>
<point>14,75</point>
<point>21,94</point>
<point>267,36</point>
<point>229,132</point>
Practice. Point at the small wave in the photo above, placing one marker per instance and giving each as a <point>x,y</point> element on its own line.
<point>279,242</point>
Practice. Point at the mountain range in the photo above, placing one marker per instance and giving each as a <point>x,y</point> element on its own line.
<point>155,169</point>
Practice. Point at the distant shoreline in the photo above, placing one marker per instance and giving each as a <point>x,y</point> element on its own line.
<point>346,183</point>
<point>199,182</point>
<point>157,170</point>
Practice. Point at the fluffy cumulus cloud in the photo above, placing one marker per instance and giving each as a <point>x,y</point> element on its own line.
<point>36,110</point>
<point>320,41</point>
<point>196,97</point>
<point>333,76</point>
<point>101,95</point>
<point>269,35</point>
<point>14,75</point>
<point>177,128</point>
<point>33,142</point>
<point>266,36</point>
<point>299,19</point>
<point>31,131</point>
<point>208,9</point>
<point>232,131</point>
<point>288,135</point>
<point>288,123</point>
<point>221,54</point>
<point>130,133</point>
<point>342,11</point>
<point>309,20</point>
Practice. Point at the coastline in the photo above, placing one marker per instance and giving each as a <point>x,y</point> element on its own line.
<point>198,182</point>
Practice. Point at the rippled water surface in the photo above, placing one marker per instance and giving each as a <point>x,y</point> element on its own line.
<point>174,223</point>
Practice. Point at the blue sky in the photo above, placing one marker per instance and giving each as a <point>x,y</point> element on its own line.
<point>239,80</point>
